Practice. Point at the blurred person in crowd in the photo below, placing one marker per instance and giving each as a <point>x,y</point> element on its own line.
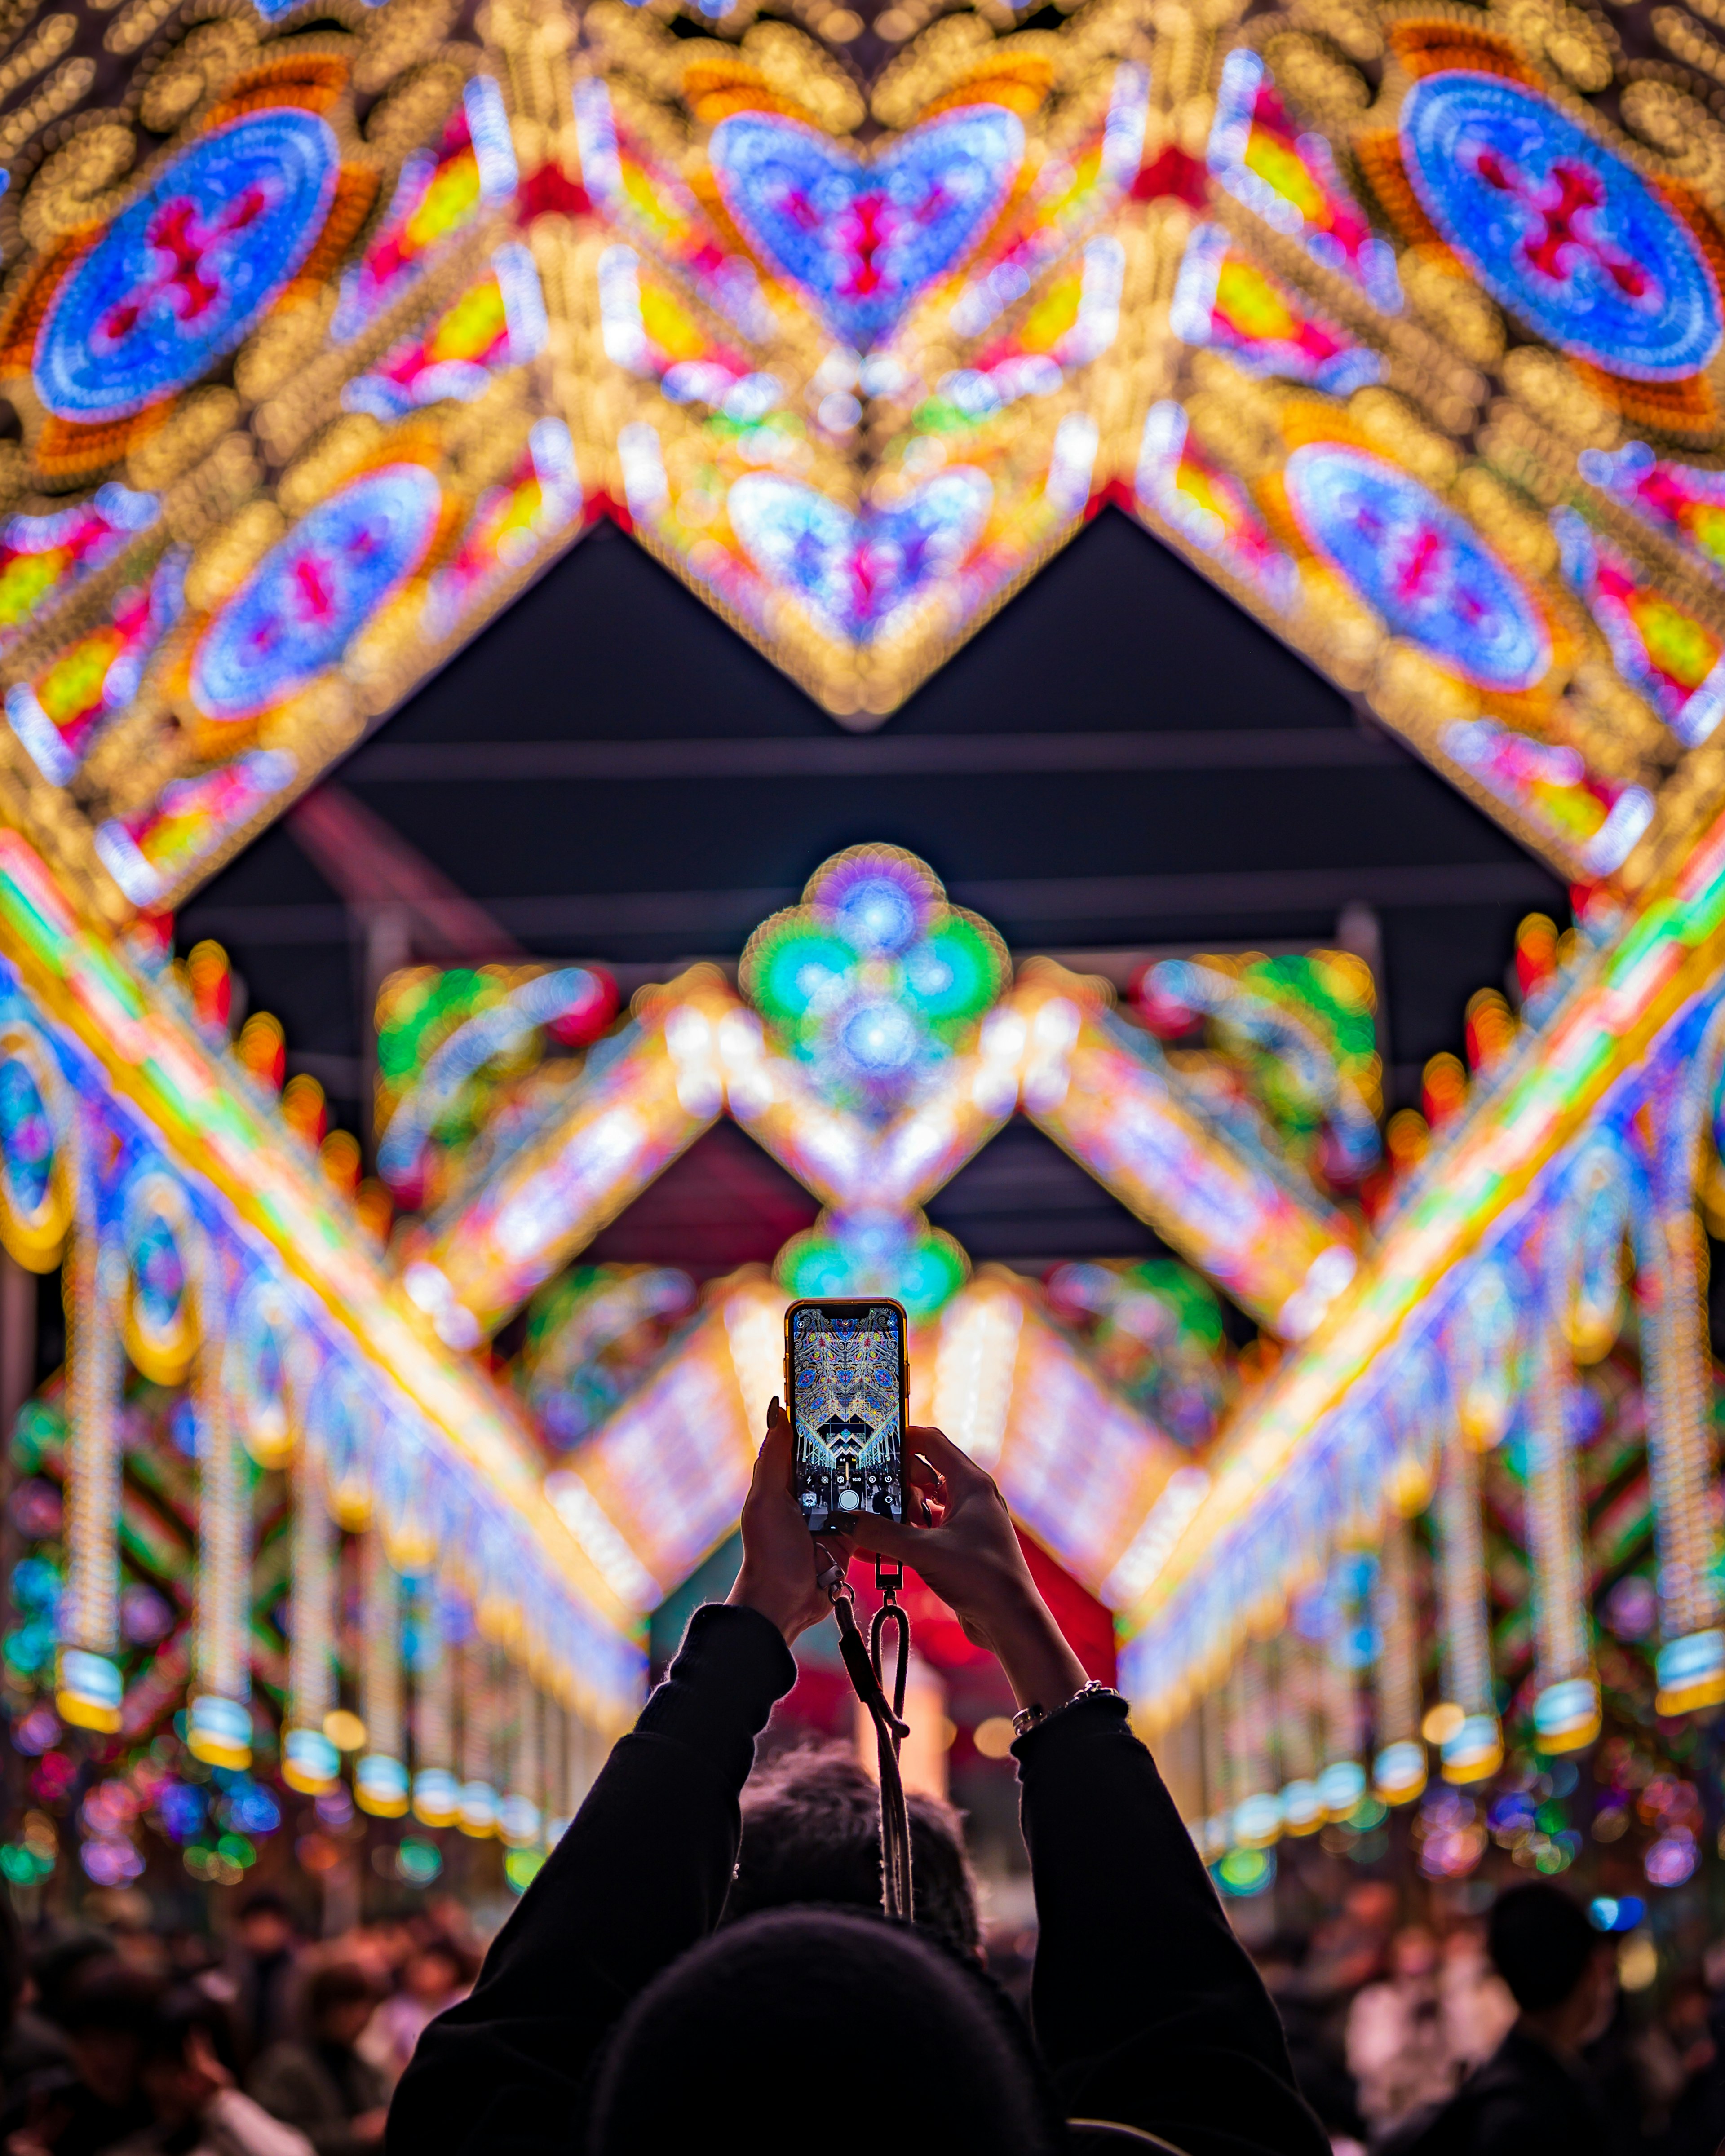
<point>126,1917</point>
<point>811,1832</point>
<point>1695,2019</point>
<point>1398,2048</point>
<point>1534,2096</point>
<point>189,2081</point>
<point>263,1967</point>
<point>435,1976</point>
<point>59,1961</point>
<point>94,2099</point>
<point>1352,1947</point>
<point>1314,2041</point>
<point>323,2085</point>
<point>616,2016</point>
<point>1477,2010</point>
<point>27,2042</point>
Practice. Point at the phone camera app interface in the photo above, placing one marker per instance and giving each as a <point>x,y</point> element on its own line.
<point>846,1378</point>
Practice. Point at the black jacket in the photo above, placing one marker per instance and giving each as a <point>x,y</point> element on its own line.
<point>1147,2009</point>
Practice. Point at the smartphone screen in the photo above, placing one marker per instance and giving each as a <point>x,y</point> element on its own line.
<point>846,1378</point>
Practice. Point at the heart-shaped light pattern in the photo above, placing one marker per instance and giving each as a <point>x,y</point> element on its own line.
<point>857,574</point>
<point>862,239</point>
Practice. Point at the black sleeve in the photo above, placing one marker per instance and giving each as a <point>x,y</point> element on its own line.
<point>640,1876</point>
<point>1147,2008</point>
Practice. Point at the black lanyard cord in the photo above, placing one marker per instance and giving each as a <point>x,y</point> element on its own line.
<point>863,1664</point>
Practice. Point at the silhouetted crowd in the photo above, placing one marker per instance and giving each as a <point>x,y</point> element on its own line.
<point>121,2037</point>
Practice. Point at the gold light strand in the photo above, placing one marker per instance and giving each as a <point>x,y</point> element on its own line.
<point>380,1780</point>
<point>1566,1709</point>
<point>87,1681</point>
<point>1398,1771</point>
<point>1302,1810</point>
<point>309,1761</point>
<point>1679,1392</point>
<point>554,1737</point>
<point>585,1755</point>
<point>436,1793</point>
<point>1256,1817</point>
<point>477,1806</point>
<point>1342,1782</point>
<point>1473,1747</point>
<point>1218,1782</point>
<point>520,1816</point>
<point>218,1722</point>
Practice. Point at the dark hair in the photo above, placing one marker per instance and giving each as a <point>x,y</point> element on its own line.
<point>265,1903</point>
<point>110,1996</point>
<point>187,2008</point>
<point>811,1832</point>
<point>829,2027</point>
<point>342,1984</point>
<point>1541,1943</point>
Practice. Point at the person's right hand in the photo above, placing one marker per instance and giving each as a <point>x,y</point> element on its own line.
<point>966,1549</point>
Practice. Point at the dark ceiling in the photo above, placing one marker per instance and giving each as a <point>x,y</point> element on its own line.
<point>1121,761</point>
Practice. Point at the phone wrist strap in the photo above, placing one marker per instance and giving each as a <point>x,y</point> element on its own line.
<point>863,1665</point>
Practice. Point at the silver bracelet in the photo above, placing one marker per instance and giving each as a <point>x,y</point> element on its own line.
<point>1027,1717</point>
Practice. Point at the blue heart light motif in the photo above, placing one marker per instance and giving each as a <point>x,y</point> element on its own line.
<point>863,240</point>
<point>857,574</point>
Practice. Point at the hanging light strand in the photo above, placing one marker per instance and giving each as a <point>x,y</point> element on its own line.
<point>309,1761</point>
<point>1680,1459</point>
<point>88,1681</point>
<point>1566,1707</point>
<point>380,1781</point>
<point>1398,1771</point>
<point>1473,1748</point>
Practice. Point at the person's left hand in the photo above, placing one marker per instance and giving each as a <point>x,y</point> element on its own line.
<point>782,1562</point>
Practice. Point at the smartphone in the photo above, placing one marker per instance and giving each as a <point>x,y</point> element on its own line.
<point>848,1382</point>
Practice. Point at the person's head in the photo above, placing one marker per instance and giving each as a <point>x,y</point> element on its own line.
<point>190,2028</point>
<point>1557,1966</point>
<point>811,1832</point>
<point>432,1971</point>
<point>266,1925</point>
<point>107,2016</point>
<point>339,2002</point>
<point>824,2028</point>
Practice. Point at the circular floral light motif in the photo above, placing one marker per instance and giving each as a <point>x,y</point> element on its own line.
<point>160,1274</point>
<point>879,1036</point>
<point>179,279</point>
<point>1559,229</point>
<point>1419,565</point>
<point>26,1141</point>
<point>257,1379</point>
<point>160,1335</point>
<point>310,596</point>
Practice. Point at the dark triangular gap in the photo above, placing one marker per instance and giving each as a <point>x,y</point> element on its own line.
<point>1115,634</point>
<point>722,1205</point>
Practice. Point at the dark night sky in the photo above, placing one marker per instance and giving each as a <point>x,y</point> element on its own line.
<point>1120,761</point>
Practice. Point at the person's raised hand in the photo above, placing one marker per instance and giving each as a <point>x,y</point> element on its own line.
<point>782,1562</point>
<point>957,1535</point>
